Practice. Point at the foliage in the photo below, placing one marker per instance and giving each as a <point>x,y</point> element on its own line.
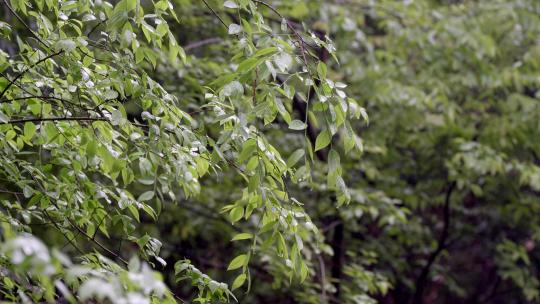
<point>77,161</point>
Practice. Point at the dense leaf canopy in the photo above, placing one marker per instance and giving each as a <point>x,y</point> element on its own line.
<point>156,151</point>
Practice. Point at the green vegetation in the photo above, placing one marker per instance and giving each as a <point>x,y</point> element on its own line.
<point>210,151</point>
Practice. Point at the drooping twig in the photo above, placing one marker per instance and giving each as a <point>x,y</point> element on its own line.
<point>215,14</point>
<point>301,42</point>
<point>70,241</point>
<point>24,23</point>
<point>11,82</point>
<point>93,240</point>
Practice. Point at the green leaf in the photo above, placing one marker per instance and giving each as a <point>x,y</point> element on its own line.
<point>236,214</point>
<point>303,271</point>
<point>66,45</point>
<point>248,64</point>
<point>139,55</point>
<point>233,89</point>
<point>239,281</point>
<point>323,140</point>
<point>146,196</point>
<point>282,246</point>
<point>29,130</point>
<point>234,29</point>
<point>238,262</point>
<point>3,117</point>
<point>321,70</point>
<point>134,211</point>
<point>333,161</point>
<point>116,117</point>
<point>230,4</point>
<point>266,51</point>
<point>242,236</point>
<point>295,157</point>
<point>297,125</point>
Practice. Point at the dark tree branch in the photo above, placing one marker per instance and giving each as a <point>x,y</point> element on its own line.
<point>70,241</point>
<point>11,82</point>
<point>441,245</point>
<point>215,14</point>
<point>24,23</point>
<point>90,238</point>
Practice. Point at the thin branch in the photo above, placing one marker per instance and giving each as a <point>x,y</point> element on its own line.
<point>110,252</point>
<point>213,12</point>
<point>71,241</point>
<point>95,27</point>
<point>210,216</point>
<point>441,245</point>
<point>11,82</point>
<point>301,42</point>
<point>24,23</point>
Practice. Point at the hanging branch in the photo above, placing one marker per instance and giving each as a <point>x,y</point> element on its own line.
<point>11,82</point>
<point>24,24</point>
<point>215,13</point>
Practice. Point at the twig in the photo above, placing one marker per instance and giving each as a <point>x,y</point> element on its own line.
<point>301,42</point>
<point>116,255</point>
<point>65,236</point>
<point>95,27</point>
<point>24,23</point>
<point>112,253</point>
<point>11,82</point>
<point>213,12</point>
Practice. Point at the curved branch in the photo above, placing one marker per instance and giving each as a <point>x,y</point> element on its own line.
<point>24,23</point>
<point>11,82</point>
